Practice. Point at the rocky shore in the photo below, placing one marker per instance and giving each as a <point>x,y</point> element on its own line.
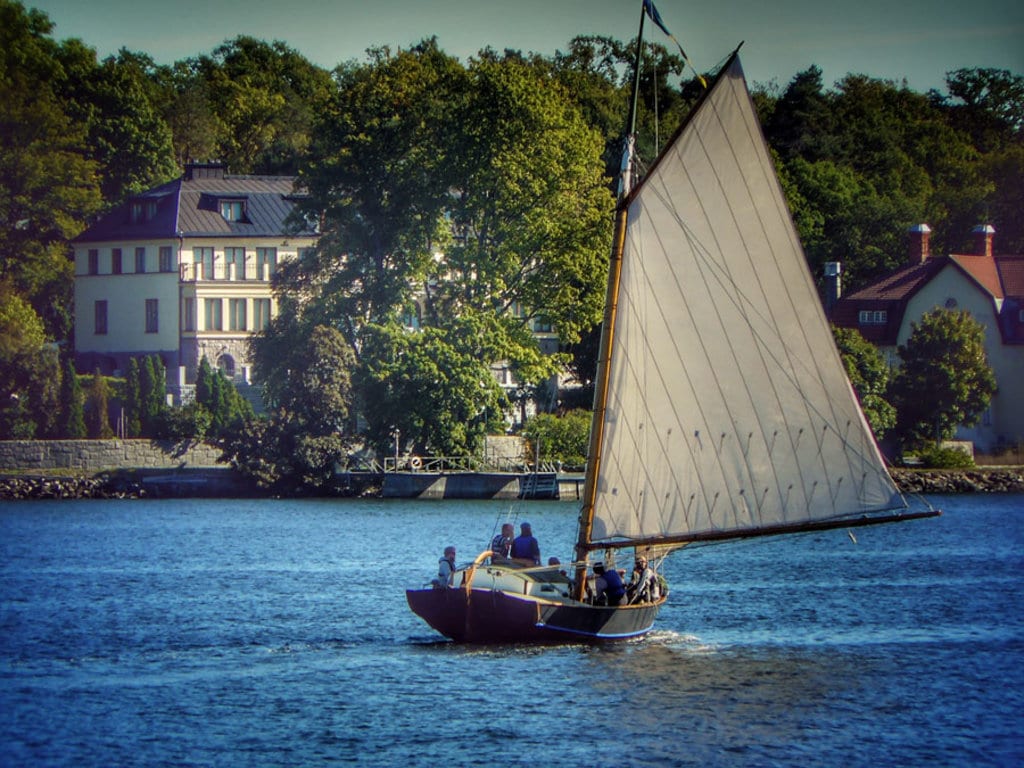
<point>947,481</point>
<point>129,486</point>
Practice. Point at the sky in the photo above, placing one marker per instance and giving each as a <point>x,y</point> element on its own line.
<point>916,41</point>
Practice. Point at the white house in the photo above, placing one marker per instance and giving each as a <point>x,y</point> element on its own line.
<point>183,271</point>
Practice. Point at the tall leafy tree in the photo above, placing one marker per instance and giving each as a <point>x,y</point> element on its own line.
<point>133,404</point>
<point>265,95</point>
<point>531,210</point>
<point>97,416</point>
<point>29,371</point>
<point>869,376</point>
<point>72,408</point>
<point>48,183</point>
<point>379,178</point>
<point>945,380</point>
<point>430,389</point>
<point>307,435</point>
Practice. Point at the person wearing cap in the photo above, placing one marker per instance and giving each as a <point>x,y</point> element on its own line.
<point>643,586</point>
<point>525,549</point>
<point>608,586</point>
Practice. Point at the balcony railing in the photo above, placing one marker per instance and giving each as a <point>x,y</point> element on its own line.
<point>192,273</point>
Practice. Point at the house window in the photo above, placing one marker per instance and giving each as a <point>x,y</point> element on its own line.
<point>260,314</point>
<point>166,259</point>
<point>140,260</point>
<point>152,316</point>
<point>266,263</point>
<point>236,314</point>
<point>100,314</point>
<point>232,210</point>
<point>541,325</point>
<point>94,261</point>
<point>188,314</point>
<point>214,321</point>
<point>873,317</point>
<point>234,261</point>
<point>204,257</point>
<point>143,210</point>
<point>115,261</point>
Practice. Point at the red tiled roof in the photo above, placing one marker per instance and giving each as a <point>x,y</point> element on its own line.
<point>983,270</point>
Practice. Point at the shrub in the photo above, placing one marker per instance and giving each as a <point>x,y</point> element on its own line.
<point>938,457</point>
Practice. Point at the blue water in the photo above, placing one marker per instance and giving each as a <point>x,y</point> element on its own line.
<point>269,633</point>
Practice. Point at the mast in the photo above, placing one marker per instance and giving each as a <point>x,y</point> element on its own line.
<point>586,518</point>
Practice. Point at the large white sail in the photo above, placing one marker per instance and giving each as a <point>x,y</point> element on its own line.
<point>728,407</point>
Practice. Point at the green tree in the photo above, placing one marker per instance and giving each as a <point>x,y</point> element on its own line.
<point>133,398</point>
<point>48,183</point>
<point>72,407</point>
<point>264,95</point>
<point>379,177</point>
<point>945,380</point>
<point>530,242</point>
<point>563,439</point>
<point>97,417</point>
<point>801,122</point>
<point>29,372</point>
<point>152,395</point>
<point>306,437</point>
<point>128,135</point>
<point>217,396</point>
<point>869,375</point>
<point>430,388</point>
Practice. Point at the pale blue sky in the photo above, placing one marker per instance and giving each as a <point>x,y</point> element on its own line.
<point>919,40</point>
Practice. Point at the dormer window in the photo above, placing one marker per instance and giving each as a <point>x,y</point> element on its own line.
<point>232,210</point>
<point>143,210</point>
<point>873,317</point>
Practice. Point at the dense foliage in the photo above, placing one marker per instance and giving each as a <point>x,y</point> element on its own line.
<point>467,200</point>
<point>945,379</point>
<point>869,375</point>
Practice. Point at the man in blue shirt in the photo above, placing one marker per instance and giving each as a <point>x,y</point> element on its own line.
<point>525,549</point>
<point>608,586</point>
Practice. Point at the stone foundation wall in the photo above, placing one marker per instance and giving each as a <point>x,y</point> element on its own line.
<point>97,455</point>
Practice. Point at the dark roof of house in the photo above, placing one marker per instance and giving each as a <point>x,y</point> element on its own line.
<point>190,207</point>
<point>997,276</point>
<point>1011,273</point>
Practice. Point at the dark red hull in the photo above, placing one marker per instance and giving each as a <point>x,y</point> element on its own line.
<point>492,616</point>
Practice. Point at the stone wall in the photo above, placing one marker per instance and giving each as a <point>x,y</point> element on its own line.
<point>98,455</point>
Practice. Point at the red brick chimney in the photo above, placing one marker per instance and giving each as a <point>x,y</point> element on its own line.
<point>919,237</point>
<point>983,239</point>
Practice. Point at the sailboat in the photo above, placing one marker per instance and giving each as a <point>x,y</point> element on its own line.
<point>722,409</point>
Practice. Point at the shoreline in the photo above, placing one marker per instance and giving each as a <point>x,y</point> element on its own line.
<point>224,483</point>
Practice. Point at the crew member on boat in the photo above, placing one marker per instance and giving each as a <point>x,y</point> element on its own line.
<point>608,586</point>
<point>525,549</point>
<point>501,544</point>
<point>445,568</point>
<point>643,586</point>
